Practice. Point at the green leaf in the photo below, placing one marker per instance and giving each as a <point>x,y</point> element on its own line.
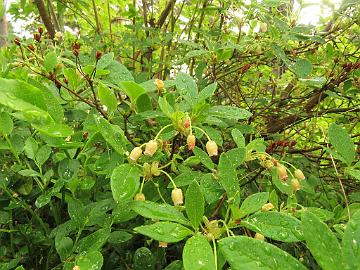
<point>29,172</point>
<point>107,97</point>
<point>24,97</point>
<point>186,87</point>
<point>90,260</point>
<point>112,134</point>
<point>119,237</point>
<point>194,204</point>
<point>302,68</point>
<point>125,181</point>
<point>322,242</point>
<point>164,231</point>
<point>198,254</point>
<point>244,253</point>
<point>229,112</point>
<point>238,138</point>
<point>204,158</point>
<point>63,246</point>
<point>105,60</point>
<point>207,92</point>
<point>54,129</point>
<point>50,61</point>
<point>351,242</point>
<point>43,154</point>
<point>118,73</point>
<point>165,106</point>
<point>211,188</point>
<point>154,210</point>
<point>93,241</point>
<point>275,225</point>
<point>73,78</point>
<point>144,259</point>
<point>132,90</point>
<point>253,203</point>
<point>228,178</point>
<point>143,103</point>
<point>6,124</point>
<point>30,148</point>
<point>68,168</point>
<point>342,142</point>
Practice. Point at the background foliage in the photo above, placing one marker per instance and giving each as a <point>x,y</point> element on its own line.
<point>100,78</point>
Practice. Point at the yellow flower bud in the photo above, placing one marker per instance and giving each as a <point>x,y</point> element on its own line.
<point>281,170</point>
<point>163,244</point>
<point>259,236</point>
<point>299,174</point>
<point>267,207</point>
<point>177,196</point>
<point>191,140</point>
<point>295,184</point>
<point>211,148</point>
<point>135,153</point>
<point>159,84</point>
<point>139,197</point>
<point>150,148</point>
<point>76,267</point>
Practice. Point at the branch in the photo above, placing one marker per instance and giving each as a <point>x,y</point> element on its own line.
<point>45,18</point>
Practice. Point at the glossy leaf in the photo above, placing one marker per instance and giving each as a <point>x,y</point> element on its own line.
<point>6,124</point>
<point>204,158</point>
<point>229,112</point>
<point>342,142</point>
<point>275,225</point>
<point>90,260</point>
<point>50,61</point>
<point>107,97</point>
<point>228,178</point>
<point>93,241</point>
<point>351,242</point>
<point>253,203</point>
<point>164,231</point>
<point>198,254</point>
<point>194,204</point>
<point>158,211</point>
<point>125,181</point>
<point>244,253</point>
<point>322,242</point>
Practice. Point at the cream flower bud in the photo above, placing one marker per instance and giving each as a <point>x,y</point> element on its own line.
<point>191,139</point>
<point>267,207</point>
<point>295,184</point>
<point>139,197</point>
<point>299,174</point>
<point>177,196</point>
<point>259,236</point>
<point>159,84</point>
<point>76,267</point>
<point>135,153</point>
<point>150,148</point>
<point>281,170</point>
<point>163,244</point>
<point>211,148</point>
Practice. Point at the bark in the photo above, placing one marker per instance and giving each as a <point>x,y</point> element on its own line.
<point>3,24</point>
<point>45,18</point>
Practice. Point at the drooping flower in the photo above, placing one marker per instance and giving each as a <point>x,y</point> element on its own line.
<point>191,140</point>
<point>135,154</point>
<point>177,196</point>
<point>212,148</point>
<point>150,148</point>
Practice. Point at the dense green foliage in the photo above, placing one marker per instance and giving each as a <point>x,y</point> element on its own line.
<point>180,135</point>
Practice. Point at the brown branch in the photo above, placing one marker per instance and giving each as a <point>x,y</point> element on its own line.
<point>45,18</point>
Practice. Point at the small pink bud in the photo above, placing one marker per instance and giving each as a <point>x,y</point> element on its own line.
<point>211,148</point>
<point>150,148</point>
<point>135,153</point>
<point>281,170</point>
<point>299,174</point>
<point>177,196</point>
<point>187,122</point>
<point>191,140</point>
